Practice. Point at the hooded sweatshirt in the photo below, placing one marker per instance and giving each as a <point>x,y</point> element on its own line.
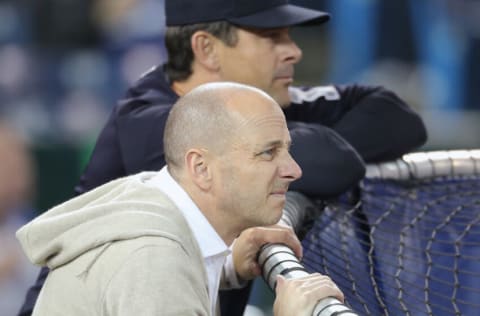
<point>121,249</point>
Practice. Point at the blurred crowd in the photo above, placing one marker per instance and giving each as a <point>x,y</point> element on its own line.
<point>428,48</point>
<point>16,192</point>
<point>64,63</point>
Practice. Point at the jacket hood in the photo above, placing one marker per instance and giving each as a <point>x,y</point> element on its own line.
<point>153,87</point>
<point>119,210</point>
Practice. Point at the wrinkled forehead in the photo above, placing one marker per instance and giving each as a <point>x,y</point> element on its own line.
<point>265,128</point>
<point>271,122</point>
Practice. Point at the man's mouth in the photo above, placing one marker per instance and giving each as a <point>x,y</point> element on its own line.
<point>285,74</point>
<point>280,191</point>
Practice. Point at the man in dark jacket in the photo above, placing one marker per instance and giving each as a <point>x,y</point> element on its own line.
<point>334,129</point>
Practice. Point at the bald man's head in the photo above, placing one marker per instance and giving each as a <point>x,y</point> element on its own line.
<point>207,117</point>
<point>227,145</point>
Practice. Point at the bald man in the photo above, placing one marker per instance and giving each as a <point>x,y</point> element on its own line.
<point>158,243</point>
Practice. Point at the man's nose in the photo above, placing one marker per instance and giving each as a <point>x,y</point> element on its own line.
<point>290,169</point>
<point>294,53</point>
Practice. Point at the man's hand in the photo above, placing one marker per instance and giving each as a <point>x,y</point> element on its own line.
<point>299,296</point>
<point>246,247</point>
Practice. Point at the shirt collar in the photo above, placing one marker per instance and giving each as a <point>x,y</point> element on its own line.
<point>209,241</point>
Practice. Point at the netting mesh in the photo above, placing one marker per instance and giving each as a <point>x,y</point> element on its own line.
<point>409,247</point>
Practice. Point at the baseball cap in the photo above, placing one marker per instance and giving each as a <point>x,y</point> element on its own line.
<point>247,13</point>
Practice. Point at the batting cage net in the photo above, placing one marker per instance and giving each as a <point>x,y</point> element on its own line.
<point>408,241</point>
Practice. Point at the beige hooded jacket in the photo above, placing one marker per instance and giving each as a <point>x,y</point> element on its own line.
<point>121,249</point>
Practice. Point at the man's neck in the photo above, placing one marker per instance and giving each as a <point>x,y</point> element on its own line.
<point>198,77</point>
<point>183,87</point>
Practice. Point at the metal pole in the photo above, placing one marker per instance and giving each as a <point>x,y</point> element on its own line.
<point>276,259</point>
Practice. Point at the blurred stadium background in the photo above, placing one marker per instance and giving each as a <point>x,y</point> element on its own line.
<point>63,65</point>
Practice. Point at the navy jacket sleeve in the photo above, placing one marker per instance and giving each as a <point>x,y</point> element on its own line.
<point>330,165</point>
<point>379,125</point>
<point>335,130</point>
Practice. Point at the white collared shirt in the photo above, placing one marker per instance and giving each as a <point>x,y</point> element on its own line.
<point>213,248</point>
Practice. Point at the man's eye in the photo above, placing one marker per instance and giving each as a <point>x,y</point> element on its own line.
<point>269,153</point>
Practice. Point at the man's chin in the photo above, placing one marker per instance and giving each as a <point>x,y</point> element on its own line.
<point>277,208</point>
<point>284,101</point>
<point>282,98</point>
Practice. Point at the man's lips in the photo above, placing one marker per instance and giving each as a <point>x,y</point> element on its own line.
<point>285,74</point>
<point>285,79</point>
<point>282,191</point>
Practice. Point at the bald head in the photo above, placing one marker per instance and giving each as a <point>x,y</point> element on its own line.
<point>208,117</point>
<point>227,145</point>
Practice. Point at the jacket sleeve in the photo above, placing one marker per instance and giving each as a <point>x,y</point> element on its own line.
<point>374,120</point>
<point>330,165</point>
<point>378,124</point>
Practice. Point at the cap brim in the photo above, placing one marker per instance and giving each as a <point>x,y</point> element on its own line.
<point>282,16</point>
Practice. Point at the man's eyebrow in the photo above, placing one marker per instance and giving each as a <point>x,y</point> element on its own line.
<point>276,143</point>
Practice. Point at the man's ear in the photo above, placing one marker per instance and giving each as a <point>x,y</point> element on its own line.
<point>204,47</point>
<point>198,166</point>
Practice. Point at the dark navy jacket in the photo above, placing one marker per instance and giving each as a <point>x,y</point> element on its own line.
<point>334,130</point>
<point>324,122</point>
